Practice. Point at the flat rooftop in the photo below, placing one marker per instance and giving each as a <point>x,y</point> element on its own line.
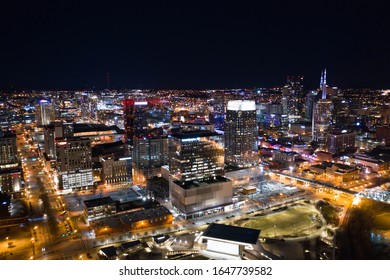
<point>232,233</point>
<point>98,201</point>
<point>141,215</point>
<point>194,134</point>
<point>197,184</point>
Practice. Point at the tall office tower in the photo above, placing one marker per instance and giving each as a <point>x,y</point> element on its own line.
<point>310,99</point>
<point>45,113</point>
<point>10,171</point>
<point>295,97</point>
<point>149,154</point>
<point>49,143</point>
<point>341,115</point>
<point>322,115</point>
<point>240,132</point>
<point>196,165</point>
<point>140,116</point>
<point>74,163</point>
<point>322,118</point>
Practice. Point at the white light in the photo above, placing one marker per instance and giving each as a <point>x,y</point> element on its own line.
<point>241,105</point>
<point>140,103</point>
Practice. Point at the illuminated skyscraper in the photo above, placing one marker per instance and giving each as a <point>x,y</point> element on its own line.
<point>45,113</point>
<point>240,132</point>
<point>322,115</point>
<point>293,92</point>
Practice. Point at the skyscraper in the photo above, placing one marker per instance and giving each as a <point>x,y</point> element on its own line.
<point>45,113</point>
<point>150,152</point>
<point>8,148</point>
<point>240,132</point>
<point>322,115</point>
<point>74,163</point>
<point>196,167</point>
<point>293,92</point>
<point>140,116</point>
<point>10,171</point>
<point>49,141</point>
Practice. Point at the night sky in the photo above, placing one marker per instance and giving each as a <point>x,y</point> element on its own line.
<point>192,44</point>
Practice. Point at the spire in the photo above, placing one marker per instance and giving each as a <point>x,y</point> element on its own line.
<point>324,85</point>
<point>322,79</point>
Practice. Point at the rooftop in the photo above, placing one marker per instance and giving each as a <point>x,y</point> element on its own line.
<point>194,134</point>
<point>89,127</point>
<point>98,201</point>
<point>197,184</point>
<point>152,213</point>
<point>131,244</point>
<point>232,233</point>
<point>109,252</point>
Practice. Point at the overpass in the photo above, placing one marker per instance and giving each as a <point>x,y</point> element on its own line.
<point>314,182</point>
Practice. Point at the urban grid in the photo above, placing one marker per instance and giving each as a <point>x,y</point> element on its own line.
<point>286,172</point>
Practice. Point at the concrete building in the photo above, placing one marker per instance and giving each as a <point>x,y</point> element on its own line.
<point>196,167</point>
<point>114,171</point>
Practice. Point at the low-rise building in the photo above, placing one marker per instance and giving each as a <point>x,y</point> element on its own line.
<point>152,217</point>
<point>229,242</point>
<point>196,199</point>
<point>98,207</point>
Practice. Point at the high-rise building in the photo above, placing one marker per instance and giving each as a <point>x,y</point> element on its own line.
<point>322,115</point>
<point>240,132</point>
<point>45,113</point>
<point>150,152</point>
<point>74,163</point>
<point>322,118</point>
<point>10,171</point>
<point>295,97</point>
<point>310,99</point>
<point>49,141</point>
<point>140,116</point>
<point>196,167</point>
<point>339,141</point>
<point>8,153</point>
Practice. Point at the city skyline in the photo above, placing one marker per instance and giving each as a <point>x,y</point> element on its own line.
<point>195,131</point>
<point>175,45</point>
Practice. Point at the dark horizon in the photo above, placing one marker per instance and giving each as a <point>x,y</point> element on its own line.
<point>192,45</point>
